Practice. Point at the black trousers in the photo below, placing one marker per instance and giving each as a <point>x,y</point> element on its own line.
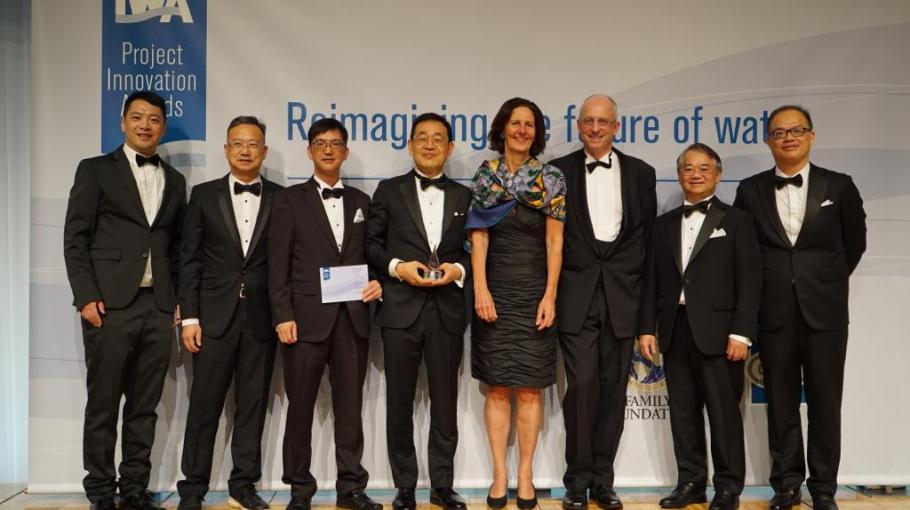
<point>792,356</point>
<point>127,357</point>
<point>346,357</point>
<point>442,351</point>
<point>597,373</point>
<point>239,356</point>
<point>696,381</point>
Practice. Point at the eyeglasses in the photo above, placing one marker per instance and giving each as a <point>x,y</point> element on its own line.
<point>321,145</point>
<point>252,145</point>
<point>589,122</point>
<point>781,133</point>
<point>423,141</point>
<point>700,170</point>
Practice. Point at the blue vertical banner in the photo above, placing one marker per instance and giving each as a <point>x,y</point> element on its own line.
<point>156,45</point>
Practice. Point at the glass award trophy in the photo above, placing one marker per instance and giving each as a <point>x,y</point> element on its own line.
<point>433,272</point>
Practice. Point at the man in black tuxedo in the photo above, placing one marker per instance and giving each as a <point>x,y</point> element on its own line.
<point>612,205</point>
<point>411,217</point>
<point>120,243</point>
<point>812,229</point>
<point>319,224</point>
<point>227,321</point>
<point>701,293</point>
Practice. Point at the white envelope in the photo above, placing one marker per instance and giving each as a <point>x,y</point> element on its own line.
<point>826,203</point>
<point>718,232</point>
<point>358,216</point>
<point>343,283</point>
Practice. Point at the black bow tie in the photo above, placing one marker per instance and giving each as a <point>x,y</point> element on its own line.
<point>328,193</point>
<point>594,164</point>
<point>154,159</point>
<point>780,182</point>
<point>255,188</point>
<point>426,182</point>
<point>701,206</point>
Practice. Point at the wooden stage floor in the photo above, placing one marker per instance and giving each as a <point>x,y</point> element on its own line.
<point>754,498</point>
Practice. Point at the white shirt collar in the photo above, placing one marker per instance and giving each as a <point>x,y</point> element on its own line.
<point>323,185</point>
<point>804,171</point>
<point>425,176</point>
<point>607,158</point>
<point>232,179</point>
<point>686,201</point>
<point>130,154</point>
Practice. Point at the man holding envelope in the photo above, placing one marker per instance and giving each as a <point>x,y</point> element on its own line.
<point>316,255</point>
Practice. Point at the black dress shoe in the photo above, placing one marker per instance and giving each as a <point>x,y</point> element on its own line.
<point>606,497</point>
<point>357,501</point>
<point>526,504</point>
<point>684,494</point>
<point>405,499</point>
<point>785,500</point>
<point>104,504</point>
<point>247,499</point>
<point>447,498</point>
<point>824,502</point>
<point>298,504</point>
<point>190,503</point>
<point>724,500</point>
<point>497,503</point>
<point>575,499</point>
<point>142,500</point>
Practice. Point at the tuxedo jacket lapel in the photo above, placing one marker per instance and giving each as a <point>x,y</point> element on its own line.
<point>317,210</point>
<point>713,218</point>
<point>769,200</point>
<point>818,186</point>
<point>227,212</point>
<point>450,205</point>
<point>166,192</point>
<point>581,198</point>
<point>408,190</point>
<point>125,171</point>
<point>675,237</point>
<point>628,186</point>
<point>262,218</point>
<point>349,211</point>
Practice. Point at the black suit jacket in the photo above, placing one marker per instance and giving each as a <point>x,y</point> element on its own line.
<point>300,242</point>
<point>212,264</point>
<point>395,229</point>
<point>722,279</point>
<point>584,264</point>
<point>107,238</point>
<point>829,246</point>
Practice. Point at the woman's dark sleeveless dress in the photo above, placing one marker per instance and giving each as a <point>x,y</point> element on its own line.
<point>510,351</point>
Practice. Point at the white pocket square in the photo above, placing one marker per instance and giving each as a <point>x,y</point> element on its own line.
<point>826,203</point>
<point>718,232</point>
<point>358,216</point>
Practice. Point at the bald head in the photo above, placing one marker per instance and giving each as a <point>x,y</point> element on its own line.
<point>597,124</point>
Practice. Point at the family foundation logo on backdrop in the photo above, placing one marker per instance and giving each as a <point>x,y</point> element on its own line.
<point>648,400</point>
<point>156,45</point>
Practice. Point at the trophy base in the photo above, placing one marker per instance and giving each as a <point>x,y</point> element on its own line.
<point>432,274</point>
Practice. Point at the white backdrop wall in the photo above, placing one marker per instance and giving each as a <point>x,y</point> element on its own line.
<point>666,63</point>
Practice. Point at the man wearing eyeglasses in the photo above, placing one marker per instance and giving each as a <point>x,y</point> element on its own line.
<point>318,224</point>
<point>612,205</point>
<point>416,227</point>
<point>700,299</point>
<point>227,323</point>
<point>812,230</point>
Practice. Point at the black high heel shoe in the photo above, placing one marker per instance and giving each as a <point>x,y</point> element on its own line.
<point>527,504</point>
<point>497,503</point>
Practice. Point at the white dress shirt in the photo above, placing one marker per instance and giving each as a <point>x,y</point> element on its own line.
<point>689,228</point>
<point>432,202</point>
<point>791,203</point>
<point>150,180</point>
<point>246,210</point>
<point>604,194</point>
<point>334,210</point>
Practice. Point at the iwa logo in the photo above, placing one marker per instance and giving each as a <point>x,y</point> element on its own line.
<point>142,10</point>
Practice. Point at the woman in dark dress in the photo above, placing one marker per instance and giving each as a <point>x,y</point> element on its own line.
<point>516,228</point>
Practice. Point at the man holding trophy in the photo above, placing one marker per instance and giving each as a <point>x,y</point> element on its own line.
<point>415,238</point>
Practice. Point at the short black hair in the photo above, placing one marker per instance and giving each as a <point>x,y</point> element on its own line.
<point>704,149</point>
<point>498,127</point>
<point>247,120</point>
<point>150,98</point>
<point>431,116</point>
<point>324,126</point>
<point>789,107</point>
